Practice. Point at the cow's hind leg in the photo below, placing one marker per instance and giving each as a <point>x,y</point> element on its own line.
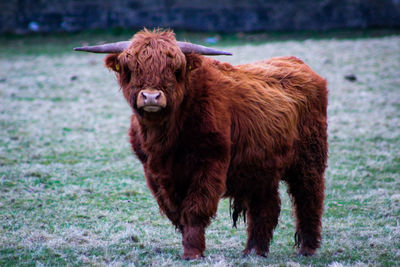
<point>262,215</point>
<point>305,179</point>
<point>306,186</point>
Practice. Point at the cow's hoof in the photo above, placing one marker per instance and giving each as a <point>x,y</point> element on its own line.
<point>191,256</point>
<point>246,253</point>
<point>260,253</point>
<point>306,251</point>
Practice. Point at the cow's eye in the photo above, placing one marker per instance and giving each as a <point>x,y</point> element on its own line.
<point>125,75</point>
<point>178,75</point>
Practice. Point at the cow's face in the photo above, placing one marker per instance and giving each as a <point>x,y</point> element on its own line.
<point>151,73</point>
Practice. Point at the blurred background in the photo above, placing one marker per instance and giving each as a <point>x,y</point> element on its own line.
<point>50,26</point>
<point>25,16</point>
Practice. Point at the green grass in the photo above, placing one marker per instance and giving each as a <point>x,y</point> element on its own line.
<point>60,43</point>
<point>72,193</point>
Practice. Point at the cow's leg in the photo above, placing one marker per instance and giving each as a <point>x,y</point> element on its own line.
<point>193,241</point>
<point>167,205</point>
<point>199,206</point>
<point>262,217</point>
<point>307,189</point>
<point>306,186</point>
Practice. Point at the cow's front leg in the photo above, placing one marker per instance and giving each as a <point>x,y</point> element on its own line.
<point>169,205</point>
<point>193,241</point>
<point>199,206</point>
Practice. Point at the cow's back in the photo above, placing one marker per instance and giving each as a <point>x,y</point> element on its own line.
<point>268,101</point>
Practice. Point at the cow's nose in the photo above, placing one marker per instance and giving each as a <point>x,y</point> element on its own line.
<point>150,98</point>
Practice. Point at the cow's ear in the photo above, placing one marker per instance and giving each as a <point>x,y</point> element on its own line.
<point>192,62</point>
<point>111,61</point>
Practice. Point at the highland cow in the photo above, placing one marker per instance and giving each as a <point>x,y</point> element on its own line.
<point>205,130</point>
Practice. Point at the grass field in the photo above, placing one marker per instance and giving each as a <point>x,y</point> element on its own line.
<point>72,193</point>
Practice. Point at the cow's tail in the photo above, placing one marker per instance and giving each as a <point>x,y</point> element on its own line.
<point>236,209</point>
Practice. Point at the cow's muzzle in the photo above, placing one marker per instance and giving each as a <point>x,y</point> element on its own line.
<point>151,100</point>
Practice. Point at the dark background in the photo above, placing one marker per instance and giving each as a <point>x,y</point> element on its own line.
<point>24,16</point>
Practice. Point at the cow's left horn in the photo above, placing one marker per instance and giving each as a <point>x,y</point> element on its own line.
<point>105,48</point>
<point>188,48</point>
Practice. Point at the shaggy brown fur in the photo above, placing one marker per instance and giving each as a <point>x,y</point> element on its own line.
<point>227,131</point>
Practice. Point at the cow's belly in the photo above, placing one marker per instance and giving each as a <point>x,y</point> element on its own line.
<point>255,167</point>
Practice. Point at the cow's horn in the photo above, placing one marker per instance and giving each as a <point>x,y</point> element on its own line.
<point>119,47</point>
<point>105,48</point>
<point>188,48</point>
